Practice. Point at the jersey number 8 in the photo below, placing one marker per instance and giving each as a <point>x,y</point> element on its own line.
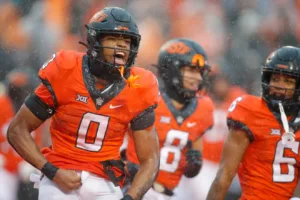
<point>170,153</point>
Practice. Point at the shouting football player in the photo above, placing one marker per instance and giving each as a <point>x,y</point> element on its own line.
<point>92,98</point>
<point>263,141</point>
<point>181,117</point>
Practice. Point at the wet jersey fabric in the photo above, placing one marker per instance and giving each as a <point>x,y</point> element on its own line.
<point>175,128</point>
<point>269,168</point>
<point>89,124</point>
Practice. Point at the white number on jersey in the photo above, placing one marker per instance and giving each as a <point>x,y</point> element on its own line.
<point>82,135</point>
<point>170,153</point>
<point>49,61</point>
<point>233,104</point>
<point>279,159</point>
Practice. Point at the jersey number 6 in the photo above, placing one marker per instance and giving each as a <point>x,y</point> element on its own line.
<point>280,159</point>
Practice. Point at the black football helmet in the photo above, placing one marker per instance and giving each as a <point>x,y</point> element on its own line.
<point>285,60</point>
<point>174,55</point>
<point>112,21</point>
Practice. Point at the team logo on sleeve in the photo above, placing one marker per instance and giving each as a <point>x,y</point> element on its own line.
<point>165,120</point>
<point>81,98</point>
<point>275,131</point>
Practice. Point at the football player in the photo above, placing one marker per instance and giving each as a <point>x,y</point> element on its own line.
<point>92,98</point>
<point>263,141</point>
<point>181,117</point>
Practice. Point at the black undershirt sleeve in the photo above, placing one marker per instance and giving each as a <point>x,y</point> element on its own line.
<point>241,126</point>
<point>40,109</point>
<point>144,120</point>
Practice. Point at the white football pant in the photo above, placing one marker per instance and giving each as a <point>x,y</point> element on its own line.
<point>198,187</point>
<point>153,195</point>
<point>9,184</point>
<point>93,187</point>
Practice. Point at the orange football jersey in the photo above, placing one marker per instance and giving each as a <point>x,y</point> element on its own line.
<point>89,124</point>
<point>269,168</point>
<point>175,128</point>
<point>213,140</point>
<point>11,158</point>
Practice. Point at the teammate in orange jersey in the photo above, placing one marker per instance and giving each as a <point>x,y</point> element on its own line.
<point>263,141</point>
<point>18,84</point>
<point>222,94</point>
<point>181,117</point>
<point>92,98</point>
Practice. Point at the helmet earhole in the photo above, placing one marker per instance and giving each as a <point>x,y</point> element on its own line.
<point>175,80</point>
<point>94,53</point>
<point>92,32</point>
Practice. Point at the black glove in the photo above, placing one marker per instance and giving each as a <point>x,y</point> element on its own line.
<point>127,197</point>
<point>194,161</point>
<point>131,170</point>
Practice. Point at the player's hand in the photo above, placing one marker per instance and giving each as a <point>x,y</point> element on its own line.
<point>194,161</point>
<point>67,180</point>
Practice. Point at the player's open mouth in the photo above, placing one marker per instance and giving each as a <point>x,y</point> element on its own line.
<point>120,58</point>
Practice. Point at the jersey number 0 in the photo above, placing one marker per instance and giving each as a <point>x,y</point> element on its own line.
<point>83,140</point>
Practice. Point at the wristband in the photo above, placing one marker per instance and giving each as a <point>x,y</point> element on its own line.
<point>49,170</point>
<point>127,197</point>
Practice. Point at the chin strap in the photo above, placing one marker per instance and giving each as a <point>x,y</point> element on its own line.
<point>288,136</point>
<point>84,44</point>
<point>131,79</point>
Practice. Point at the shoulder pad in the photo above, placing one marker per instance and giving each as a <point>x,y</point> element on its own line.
<point>146,79</point>
<point>147,89</point>
<point>241,107</point>
<point>59,64</point>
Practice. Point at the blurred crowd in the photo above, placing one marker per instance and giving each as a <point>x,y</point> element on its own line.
<point>237,35</point>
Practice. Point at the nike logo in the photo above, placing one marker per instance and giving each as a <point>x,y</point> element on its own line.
<point>191,124</point>
<point>113,107</point>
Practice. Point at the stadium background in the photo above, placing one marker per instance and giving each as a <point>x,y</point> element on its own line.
<point>237,34</point>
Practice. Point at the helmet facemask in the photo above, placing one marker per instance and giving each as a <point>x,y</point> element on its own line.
<point>187,93</point>
<point>174,55</point>
<point>291,104</point>
<point>176,78</point>
<point>99,66</point>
